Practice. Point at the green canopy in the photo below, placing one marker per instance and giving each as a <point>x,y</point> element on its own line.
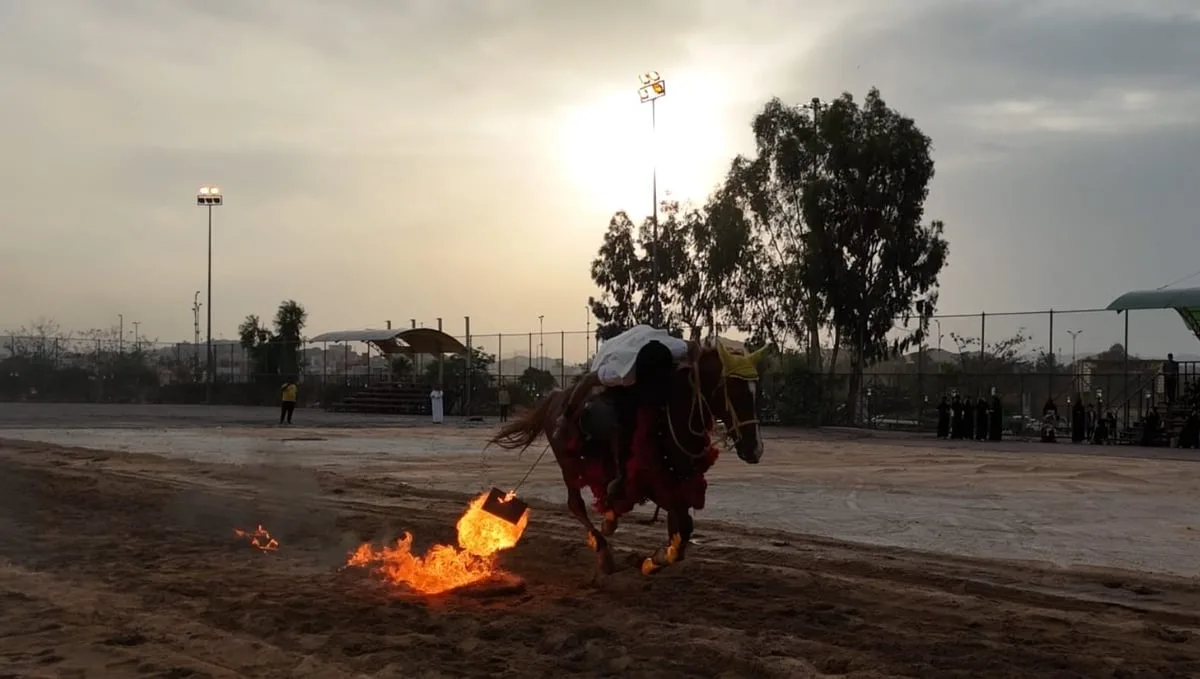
<point>1185,302</point>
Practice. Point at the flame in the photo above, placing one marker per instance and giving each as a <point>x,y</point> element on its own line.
<point>481,537</point>
<point>260,538</point>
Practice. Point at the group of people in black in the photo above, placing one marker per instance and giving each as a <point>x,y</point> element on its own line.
<point>1087,425</point>
<point>981,420</point>
<point>964,418</point>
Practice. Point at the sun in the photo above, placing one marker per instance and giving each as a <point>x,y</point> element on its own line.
<point>609,148</point>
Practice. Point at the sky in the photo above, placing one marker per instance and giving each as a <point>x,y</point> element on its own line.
<point>396,159</point>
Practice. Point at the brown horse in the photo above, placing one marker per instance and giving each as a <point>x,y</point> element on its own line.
<point>711,384</point>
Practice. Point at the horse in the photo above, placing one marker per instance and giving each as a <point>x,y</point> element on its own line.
<point>710,384</point>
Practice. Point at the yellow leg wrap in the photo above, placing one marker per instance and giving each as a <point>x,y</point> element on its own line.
<point>649,567</point>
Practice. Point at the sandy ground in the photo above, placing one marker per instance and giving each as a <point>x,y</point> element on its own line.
<point>1060,504</point>
<point>119,561</point>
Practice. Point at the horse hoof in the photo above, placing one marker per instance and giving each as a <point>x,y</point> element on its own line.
<point>604,562</point>
<point>609,526</point>
<point>649,567</point>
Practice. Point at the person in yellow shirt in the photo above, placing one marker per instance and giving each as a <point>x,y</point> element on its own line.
<point>288,402</point>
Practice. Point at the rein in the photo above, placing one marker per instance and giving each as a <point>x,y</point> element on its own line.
<point>700,403</point>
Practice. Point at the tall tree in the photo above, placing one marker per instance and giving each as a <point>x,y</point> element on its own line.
<point>624,272</point>
<point>763,197</point>
<point>275,353</point>
<point>289,324</point>
<point>870,255</point>
<point>617,272</point>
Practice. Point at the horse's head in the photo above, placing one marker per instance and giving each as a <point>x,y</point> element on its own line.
<point>730,384</point>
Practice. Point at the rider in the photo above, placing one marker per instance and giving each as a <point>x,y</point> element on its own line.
<point>639,407</point>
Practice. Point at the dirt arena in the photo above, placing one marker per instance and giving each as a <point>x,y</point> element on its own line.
<point>836,557</point>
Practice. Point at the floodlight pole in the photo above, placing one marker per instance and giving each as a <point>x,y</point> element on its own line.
<point>653,87</point>
<point>208,348</point>
<point>654,219</point>
<point>209,196</point>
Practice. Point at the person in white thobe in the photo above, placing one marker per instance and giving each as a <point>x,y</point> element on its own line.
<point>436,398</point>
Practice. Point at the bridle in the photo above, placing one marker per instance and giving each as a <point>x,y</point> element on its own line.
<point>700,404</point>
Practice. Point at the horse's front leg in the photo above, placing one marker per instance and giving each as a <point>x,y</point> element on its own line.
<point>595,539</point>
<point>679,533</point>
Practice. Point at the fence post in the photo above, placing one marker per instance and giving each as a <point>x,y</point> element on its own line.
<point>562,360</point>
<point>1125,347</point>
<point>530,357</point>
<point>982,343</point>
<point>921,382</point>
<point>982,336</point>
<point>1053,355</point>
<point>500,357</point>
<point>441,359</point>
<point>470,367</point>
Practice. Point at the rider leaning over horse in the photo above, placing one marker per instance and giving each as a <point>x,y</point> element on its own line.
<point>640,410</point>
<point>640,428</point>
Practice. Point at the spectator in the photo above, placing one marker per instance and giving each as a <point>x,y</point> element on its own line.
<point>943,421</point>
<point>1150,427</point>
<point>1170,372</point>
<point>287,401</point>
<point>436,401</point>
<point>505,400</point>
<point>1189,437</point>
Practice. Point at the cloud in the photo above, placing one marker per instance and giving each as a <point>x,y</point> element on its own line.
<point>397,155</point>
<point>1028,66</point>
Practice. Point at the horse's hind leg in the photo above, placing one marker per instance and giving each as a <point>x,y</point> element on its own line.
<point>679,531</point>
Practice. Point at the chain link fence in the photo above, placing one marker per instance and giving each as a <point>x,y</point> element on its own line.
<point>1025,359</point>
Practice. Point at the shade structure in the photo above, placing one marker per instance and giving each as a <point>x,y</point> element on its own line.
<point>410,341</point>
<point>1185,302</point>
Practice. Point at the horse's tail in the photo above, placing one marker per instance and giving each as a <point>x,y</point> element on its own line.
<point>525,429</point>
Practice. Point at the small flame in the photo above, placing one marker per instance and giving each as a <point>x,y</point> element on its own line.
<point>259,538</point>
<point>481,536</point>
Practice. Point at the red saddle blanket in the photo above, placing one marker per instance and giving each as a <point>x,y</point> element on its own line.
<point>648,476</point>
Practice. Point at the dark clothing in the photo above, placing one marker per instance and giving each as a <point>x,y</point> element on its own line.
<point>981,420</point>
<point>1049,432</point>
<point>1170,371</point>
<point>1090,424</point>
<point>503,412</point>
<point>654,369</point>
<point>1106,428</point>
<point>1189,436</point>
<point>996,430</point>
<point>943,422</point>
<point>968,419</point>
<point>285,412</point>
<point>1050,407</point>
<point>1078,423</point>
<point>1150,429</point>
<point>956,419</point>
